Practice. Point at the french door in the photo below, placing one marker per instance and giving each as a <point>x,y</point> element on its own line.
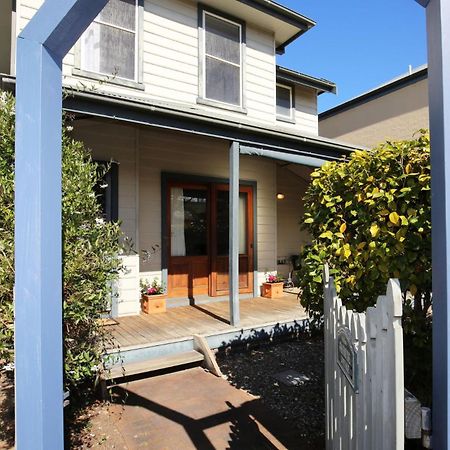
<point>198,231</point>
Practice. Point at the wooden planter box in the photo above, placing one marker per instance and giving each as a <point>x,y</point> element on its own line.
<point>272,290</point>
<point>152,304</point>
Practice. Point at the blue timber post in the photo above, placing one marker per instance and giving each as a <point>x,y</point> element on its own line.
<point>234,235</point>
<point>438,27</point>
<point>41,46</point>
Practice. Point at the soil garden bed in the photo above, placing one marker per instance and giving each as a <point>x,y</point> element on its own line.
<point>259,368</point>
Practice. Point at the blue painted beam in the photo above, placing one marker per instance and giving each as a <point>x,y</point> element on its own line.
<point>234,235</point>
<point>38,247</point>
<point>438,27</point>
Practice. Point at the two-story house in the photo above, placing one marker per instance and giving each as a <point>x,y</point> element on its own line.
<point>165,89</point>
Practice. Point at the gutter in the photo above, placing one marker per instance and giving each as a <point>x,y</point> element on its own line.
<point>291,76</point>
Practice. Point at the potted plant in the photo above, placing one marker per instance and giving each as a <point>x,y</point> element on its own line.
<point>273,287</point>
<point>153,298</point>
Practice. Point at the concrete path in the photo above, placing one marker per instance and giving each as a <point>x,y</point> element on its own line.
<point>191,409</point>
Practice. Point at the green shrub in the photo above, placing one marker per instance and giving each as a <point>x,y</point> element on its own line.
<point>90,253</point>
<point>370,219</point>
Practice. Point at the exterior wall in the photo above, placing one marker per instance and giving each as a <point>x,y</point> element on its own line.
<point>205,157</point>
<point>128,288</point>
<point>290,238</point>
<point>170,66</point>
<point>144,153</point>
<point>396,115</point>
<point>305,116</point>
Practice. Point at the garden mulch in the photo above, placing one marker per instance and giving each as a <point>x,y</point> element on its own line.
<point>300,405</point>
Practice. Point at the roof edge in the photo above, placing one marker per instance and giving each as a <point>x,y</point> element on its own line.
<point>292,76</point>
<point>286,15</point>
<point>391,86</point>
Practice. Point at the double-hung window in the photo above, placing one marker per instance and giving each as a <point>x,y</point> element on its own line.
<point>222,60</point>
<point>109,45</point>
<point>285,102</point>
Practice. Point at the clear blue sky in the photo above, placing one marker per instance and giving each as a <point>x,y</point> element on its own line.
<point>358,44</point>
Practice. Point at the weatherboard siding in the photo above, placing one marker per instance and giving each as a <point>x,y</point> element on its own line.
<point>170,66</point>
<point>144,154</point>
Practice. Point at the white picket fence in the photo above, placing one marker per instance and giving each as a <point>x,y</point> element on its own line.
<point>364,372</point>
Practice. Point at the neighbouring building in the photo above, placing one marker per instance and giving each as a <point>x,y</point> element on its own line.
<point>163,89</point>
<point>392,111</point>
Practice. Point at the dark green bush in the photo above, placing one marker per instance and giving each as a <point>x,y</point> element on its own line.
<point>90,253</point>
<point>370,220</point>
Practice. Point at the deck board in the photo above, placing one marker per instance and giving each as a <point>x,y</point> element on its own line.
<point>185,321</point>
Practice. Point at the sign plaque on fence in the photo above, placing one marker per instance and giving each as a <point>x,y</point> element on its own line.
<point>347,357</point>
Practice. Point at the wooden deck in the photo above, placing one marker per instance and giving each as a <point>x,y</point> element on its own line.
<point>207,319</point>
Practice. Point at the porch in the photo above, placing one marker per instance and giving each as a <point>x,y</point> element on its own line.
<point>143,336</point>
<point>208,213</point>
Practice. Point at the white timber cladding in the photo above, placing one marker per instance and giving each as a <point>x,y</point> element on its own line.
<point>290,236</point>
<point>128,287</point>
<point>170,66</point>
<point>174,152</point>
<point>364,384</point>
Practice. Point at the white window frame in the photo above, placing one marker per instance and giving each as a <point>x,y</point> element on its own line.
<point>291,116</point>
<point>136,82</point>
<point>240,65</point>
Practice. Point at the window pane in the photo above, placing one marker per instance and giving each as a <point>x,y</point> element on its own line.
<point>223,226</point>
<point>189,225</point>
<point>109,50</point>
<point>223,82</point>
<point>121,13</point>
<point>284,102</point>
<point>222,39</point>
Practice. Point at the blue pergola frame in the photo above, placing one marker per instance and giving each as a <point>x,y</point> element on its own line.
<point>38,255</point>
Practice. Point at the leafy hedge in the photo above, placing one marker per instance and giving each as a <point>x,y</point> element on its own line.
<point>90,252</point>
<point>370,219</point>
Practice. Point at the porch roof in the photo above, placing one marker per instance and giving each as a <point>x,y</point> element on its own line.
<point>276,139</point>
<point>273,141</point>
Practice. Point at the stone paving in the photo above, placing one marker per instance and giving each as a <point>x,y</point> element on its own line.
<point>190,409</point>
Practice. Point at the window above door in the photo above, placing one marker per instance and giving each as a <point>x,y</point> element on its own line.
<point>221,56</point>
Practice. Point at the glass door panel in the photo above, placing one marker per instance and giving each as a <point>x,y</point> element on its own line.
<point>222,224</point>
<point>220,240</point>
<point>189,222</point>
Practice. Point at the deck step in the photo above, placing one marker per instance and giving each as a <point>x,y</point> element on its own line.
<point>152,365</point>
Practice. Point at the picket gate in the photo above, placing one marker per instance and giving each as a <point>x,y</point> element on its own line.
<point>364,384</point>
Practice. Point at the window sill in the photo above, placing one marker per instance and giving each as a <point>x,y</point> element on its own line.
<point>107,79</point>
<point>217,104</point>
<point>285,119</point>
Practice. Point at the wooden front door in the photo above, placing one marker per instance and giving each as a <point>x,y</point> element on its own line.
<point>220,240</point>
<point>198,224</point>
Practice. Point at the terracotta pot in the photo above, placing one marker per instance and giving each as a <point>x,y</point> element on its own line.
<point>272,290</point>
<point>152,304</point>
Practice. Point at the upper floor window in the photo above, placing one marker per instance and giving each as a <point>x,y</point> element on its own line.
<point>109,45</point>
<point>222,65</point>
<point>285,102</point>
